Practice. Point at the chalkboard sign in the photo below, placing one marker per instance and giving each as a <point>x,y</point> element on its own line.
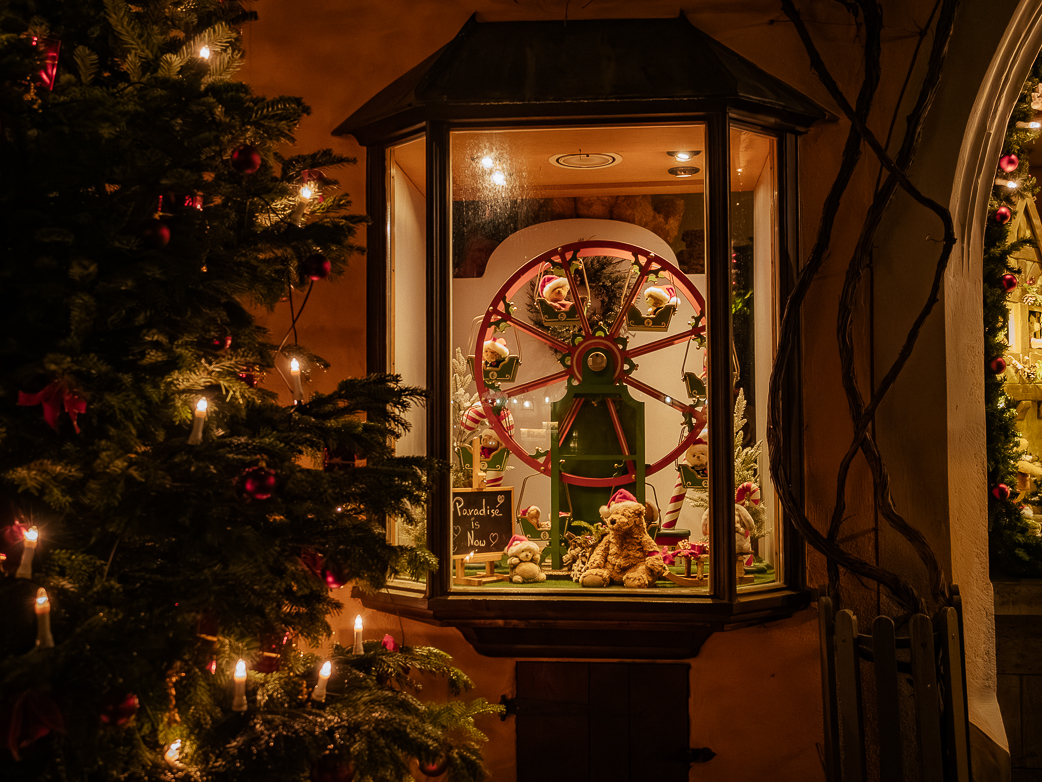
<point>482,520</point>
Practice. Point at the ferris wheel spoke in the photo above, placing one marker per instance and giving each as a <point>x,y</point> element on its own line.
<point>645,270</point>
<point>617,424</point>
<point>542,382</point>
<point>531,330</point>
<point>566,425</point>
<point>665,342</point>
<point>580,309</point>
<point>664,398</point>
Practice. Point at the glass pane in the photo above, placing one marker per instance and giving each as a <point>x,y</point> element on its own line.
<point>578,338</point>
<point>407,310</point>
<point>754,239</point>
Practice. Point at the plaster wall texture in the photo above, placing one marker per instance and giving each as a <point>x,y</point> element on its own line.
<point>931,430</point>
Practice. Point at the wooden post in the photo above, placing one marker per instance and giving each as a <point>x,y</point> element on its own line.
<point>475,463</point>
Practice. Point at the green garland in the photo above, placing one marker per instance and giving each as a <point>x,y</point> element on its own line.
<point>1014,549</point>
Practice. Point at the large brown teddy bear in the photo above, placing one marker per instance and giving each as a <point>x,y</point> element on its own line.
<point>626,555</point>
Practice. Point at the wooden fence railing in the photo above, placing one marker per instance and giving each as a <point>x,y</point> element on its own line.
<point>926,667</point>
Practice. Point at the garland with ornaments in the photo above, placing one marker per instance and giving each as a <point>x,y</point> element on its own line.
<point>1015,545</point>
<point>172,538</point>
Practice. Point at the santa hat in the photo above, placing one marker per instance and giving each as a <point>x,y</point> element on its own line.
<point>499,345</point>
<point>661,296</point>
<point>514,541</point>
<point>622,497</point>
<point>549,284</point>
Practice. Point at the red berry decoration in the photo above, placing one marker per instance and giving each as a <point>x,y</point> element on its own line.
<point>437,768</point>
<point>316,266</point>
<point>1009,282</point>
<point>1002,215</point>
<point>156,234</point>
<point>333,767</point>
<point>118,712</point>
<point>258,483</point>
<point>250,376</point>
<point>246,159</point>
<point>1009,163</point>
<point>1000,492</point>
<point>221,342</point>
<point>997,365</point>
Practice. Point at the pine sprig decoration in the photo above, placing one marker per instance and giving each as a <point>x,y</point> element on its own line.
<point>162,561</point>
<point>1015,549</point>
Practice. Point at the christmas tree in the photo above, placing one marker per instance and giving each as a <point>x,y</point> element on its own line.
<point>162,516</point>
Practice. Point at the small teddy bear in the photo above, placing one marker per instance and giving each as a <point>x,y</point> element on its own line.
<point>494,352</point>
<point>626,555</point>
<point>658,297</point>
<point>743,528</point>
<point>555,290</point>
<point>523,559</point>
<point>697,457</point>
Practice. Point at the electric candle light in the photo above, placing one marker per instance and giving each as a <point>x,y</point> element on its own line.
<point>197,425</point>
<point>302,203</point>
<point>25,568</point>
<point>1029,125</point>
<point>239,701</point>
<point>173,753</point>
<point>205,52</point>
<point>298,391</point>
<point>43,619</point>
<point>323,676</point>
<point>358,635</point>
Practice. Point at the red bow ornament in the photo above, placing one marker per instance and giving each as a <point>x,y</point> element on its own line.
<point>54,398</point>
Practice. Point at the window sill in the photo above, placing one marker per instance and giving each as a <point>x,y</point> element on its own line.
<point>589,627</point>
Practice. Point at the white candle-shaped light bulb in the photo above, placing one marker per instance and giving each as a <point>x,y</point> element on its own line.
<point>25,567</point>
<point>205,52</point>
<point>173,753</point>
<point>196,436</point>
<point>323,676</point>
<point>358,635</point>
<point>302,203</point>
<point>239,701</point>
<point>298,391</point>
<point>43,619</point>
<point>487,162</point>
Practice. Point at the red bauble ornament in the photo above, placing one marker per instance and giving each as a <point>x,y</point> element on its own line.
<point>250,376</point>
<point>1000,492</point>
<point>334,574</point>
<point>119,710</point>
<point>437,768</point>
<point>1009,163</point>
<point>270,658</point>
<point>315,266</point>
<point>155,234</point>
<point>997,365</point>
<point>333,767</point>
<point>1009,282</point>
<point>258,483</point>
<point>1002,215</point>
<point>31,717</point>
<point>246,159</point>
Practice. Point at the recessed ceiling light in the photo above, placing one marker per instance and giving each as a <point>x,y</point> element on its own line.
<point>585,160</point>
<point>487,162</point>
<point>684,171</point>
<point>499,178</point>
<point>684,155</point>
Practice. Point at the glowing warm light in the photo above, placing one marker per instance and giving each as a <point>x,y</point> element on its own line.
<point>339,508</point>
<point>358,622</point>
<point>42,601</point>
<point>205,52</point>
<point>32,534</point>
<point>487,162</point>
<point>240,670</point>
<point>682,156</point>
<point>739,171</point>
<point>499,178</point>
<point>527,404</point>
<point>357,646</point>
<point>1011,184</point>
<point>669,400</point>
<point>213,666</point>
<point>173,752</point>
<point>306,192</point>
<point>546,399</point>
<point>326,669</point>
<point>294,366</point>
<point>1029,125</point>
<point>201,405</point>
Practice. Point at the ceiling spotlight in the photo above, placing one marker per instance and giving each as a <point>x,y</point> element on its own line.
<point>487,162</point>
<point>499,178</point>
<point>683,171</point>
<point>683,156</point>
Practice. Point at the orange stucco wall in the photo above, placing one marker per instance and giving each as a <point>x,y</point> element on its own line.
<point>756,692</point>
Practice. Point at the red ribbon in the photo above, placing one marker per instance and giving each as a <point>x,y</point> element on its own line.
<point>53,398</point>
<point>32,717</point>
